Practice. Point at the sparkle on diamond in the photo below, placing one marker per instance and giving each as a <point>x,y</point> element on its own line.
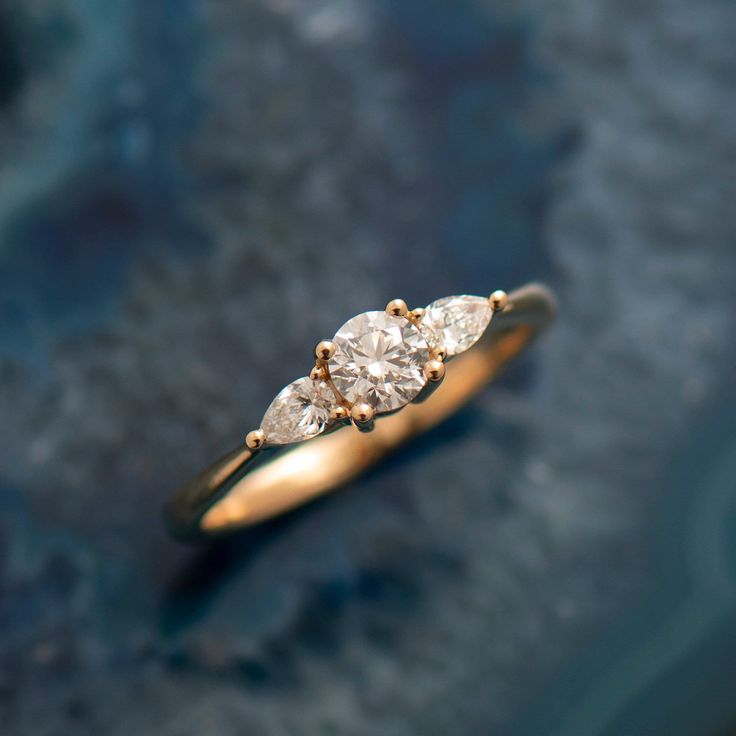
<point>456,322</point>
<point>300,411</point>
<point>379,359</point>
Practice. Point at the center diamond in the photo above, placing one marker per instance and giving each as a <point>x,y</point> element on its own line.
<point>379,359</point>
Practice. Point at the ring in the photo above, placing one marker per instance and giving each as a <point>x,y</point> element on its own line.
<point>383,365</point>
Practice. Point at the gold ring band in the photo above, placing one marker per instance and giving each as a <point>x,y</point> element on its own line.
<point>255,481</point>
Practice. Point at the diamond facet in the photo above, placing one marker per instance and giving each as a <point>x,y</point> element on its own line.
<point>456,322</point>
<point>300,411</point>
<point>379,359</point>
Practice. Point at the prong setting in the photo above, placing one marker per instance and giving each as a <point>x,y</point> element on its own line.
<point>434,370</point>
<point>324,350</point>
<point>498,300</point>
<point>416,315</point>
<point>363,416</point>
<point>339,413</point>
<point>439,352</point>
<point>397,308</point>
<point>255,439</point>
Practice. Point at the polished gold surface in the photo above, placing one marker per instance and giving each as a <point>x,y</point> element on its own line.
<point>438,352</point>
<point>255,439</point>
<point>498,300</point>
<point>416,315</point>
<point>434,370</point>
<point>236,492</point>
<point>397,308</point>
<point>324,350</point>
<point>340,413</point>
<point>363,416</point>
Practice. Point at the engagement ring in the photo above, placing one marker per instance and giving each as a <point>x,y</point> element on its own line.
<point>391,374</point>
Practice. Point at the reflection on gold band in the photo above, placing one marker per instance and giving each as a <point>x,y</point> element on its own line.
<point>234,493</point>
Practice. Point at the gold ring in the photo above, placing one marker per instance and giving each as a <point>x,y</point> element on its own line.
<point>385,365</point>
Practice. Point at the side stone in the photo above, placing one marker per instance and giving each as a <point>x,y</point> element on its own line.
<point>299,412</point>
<point>456,322</point>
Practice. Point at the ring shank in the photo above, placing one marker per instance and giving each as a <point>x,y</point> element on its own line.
<point>244,487</point>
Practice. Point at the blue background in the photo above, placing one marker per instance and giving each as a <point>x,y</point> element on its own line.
<point>193,192</point>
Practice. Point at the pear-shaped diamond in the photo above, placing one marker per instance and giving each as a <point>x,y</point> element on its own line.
<point>300,411</point>
<point>456,322</point>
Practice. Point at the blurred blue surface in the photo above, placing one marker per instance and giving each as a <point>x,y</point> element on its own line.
<point>176,177</point>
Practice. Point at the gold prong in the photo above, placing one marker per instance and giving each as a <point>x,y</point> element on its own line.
<point>255,439</point>
<point>324,350</point>
<point>416,315</point>
<point>439,352</point>
<point>498,300</point>
<point>434,370</point>
<point>397,308</point>
<point>363,416</point>
<point>318,373</point>
<point>339,413</point>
